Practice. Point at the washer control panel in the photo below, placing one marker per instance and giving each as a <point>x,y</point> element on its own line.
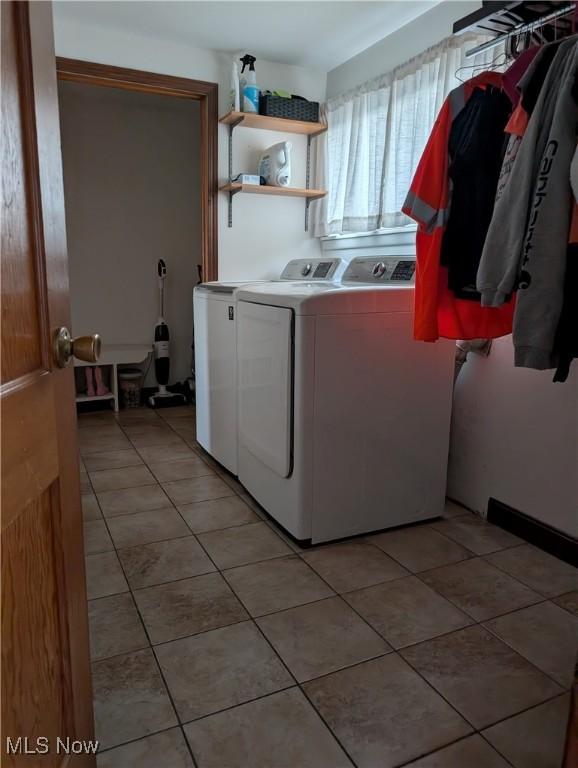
<point>380,269</point>
<point>312,269</point>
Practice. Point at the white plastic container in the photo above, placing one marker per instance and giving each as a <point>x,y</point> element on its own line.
<point>275,165</point>
<point>129,380</point>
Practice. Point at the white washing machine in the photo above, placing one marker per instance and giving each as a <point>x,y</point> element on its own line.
<point>216,357</point>
<point>344,419</point>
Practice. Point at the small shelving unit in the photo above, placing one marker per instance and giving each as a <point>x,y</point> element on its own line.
<point>111,357</point>
<point>95,398</point>
<point>262,122</point>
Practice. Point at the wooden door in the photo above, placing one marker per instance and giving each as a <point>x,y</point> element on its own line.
<point>46,690</point>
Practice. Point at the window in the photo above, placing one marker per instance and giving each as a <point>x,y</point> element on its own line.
<point>376,135</point>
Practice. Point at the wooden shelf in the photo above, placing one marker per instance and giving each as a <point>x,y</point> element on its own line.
<point>251,120</point>
<point>261,189</point>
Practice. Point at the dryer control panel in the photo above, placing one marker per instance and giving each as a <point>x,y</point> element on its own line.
<point>376,269</point>
<point>314,269</point>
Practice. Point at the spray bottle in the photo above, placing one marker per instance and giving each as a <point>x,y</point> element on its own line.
<point>249,89</point>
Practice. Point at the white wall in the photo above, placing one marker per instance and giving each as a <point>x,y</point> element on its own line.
<point>132,193</point>
<point>515,438</point>
<point>267,231</point>
<point>399,47</point>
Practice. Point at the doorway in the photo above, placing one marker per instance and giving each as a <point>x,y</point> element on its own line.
<point>139,156</point>
<point>205,94</point>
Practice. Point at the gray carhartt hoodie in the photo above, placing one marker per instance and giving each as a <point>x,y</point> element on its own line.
<point>545,250</point>
<point>527,239</point>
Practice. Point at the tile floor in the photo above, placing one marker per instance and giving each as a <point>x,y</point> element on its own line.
<point>217,642</point>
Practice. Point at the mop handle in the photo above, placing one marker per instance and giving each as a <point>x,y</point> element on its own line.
<point>162,271</point>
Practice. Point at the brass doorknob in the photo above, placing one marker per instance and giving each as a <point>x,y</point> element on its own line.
<point>85,348</point>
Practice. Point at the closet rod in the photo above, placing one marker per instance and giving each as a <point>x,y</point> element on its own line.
<point>530,25</point>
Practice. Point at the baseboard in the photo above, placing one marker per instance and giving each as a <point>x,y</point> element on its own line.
<point>534,531</point>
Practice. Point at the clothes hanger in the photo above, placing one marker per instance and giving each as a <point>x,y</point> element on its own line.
<point>501,59</point>
<point>534,34</point>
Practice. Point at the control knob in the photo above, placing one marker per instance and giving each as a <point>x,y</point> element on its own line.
<point>379,269</point>
<point>306,269</point>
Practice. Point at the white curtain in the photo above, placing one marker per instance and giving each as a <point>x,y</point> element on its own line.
<point>377,133</point>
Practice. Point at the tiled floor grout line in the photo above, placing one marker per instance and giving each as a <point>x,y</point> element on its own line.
<point>451,744</point>
<point>139,738</point>
<point>145,463</point>
<point>203,631</point>
<point>340,595</point>
<point>173,639</point>
<point>122,487</point>
<point>492,746</point>
<point>394,651</point>
<point>165,506</point>
<point>558,695</point>
<point>154,541</point>
<point>473,556</point>
<point>449,599</point>
<point>326,724</point>
<point>151,647</point>
<point>148,485</point>
<point>218,570</point>
<point>475,622</point>
<point>527,544</point>
<point>379,656</point>
<point>199,719</point>
<point>565,689</point>
<point>161,583</point>
<point>398,651</point>
<point>118,466</point>
<point>302,689</point>
<point>274,650</point>
<point>409,573</point>
<point>278,656</point>
<point>474,727</point>
<point>481,557</point>
<point>296,685</point>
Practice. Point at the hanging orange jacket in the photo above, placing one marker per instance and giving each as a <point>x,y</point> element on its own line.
<point>437,311</point>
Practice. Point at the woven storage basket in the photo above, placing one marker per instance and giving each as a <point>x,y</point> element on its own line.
<point>290,109</point>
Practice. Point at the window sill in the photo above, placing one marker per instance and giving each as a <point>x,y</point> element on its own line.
<point>397,241</point>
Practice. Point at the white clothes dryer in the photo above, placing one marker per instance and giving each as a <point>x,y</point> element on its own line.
<point>343,418</point>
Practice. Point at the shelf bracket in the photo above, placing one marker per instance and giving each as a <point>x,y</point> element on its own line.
<point>230,212</point>
<point>307,181</point>
<point>232,126</point>
<point>232,193</point>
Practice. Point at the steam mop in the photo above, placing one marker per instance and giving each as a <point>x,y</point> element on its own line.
<point>163,398</point>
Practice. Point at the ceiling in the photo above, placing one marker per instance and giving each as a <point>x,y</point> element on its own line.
<point>310,33</point>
